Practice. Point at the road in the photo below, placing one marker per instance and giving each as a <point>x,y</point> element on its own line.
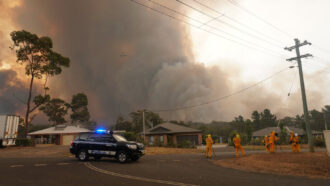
<point>183,169</point>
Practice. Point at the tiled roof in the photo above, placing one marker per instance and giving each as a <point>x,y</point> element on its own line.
<point>61,129</point>
<point>168,128</point>
<point>268,130</point>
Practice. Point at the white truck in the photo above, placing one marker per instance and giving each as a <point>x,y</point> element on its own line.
<point>8,129</point>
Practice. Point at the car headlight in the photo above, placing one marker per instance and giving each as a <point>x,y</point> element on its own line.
<point>132,146</point>
<point>140,145</point>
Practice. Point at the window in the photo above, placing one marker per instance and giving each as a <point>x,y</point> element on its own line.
<point>161,139</point>
<point>107,139</point>
<point>82,137</point>
<point>94,138</point>
<point>119,137</point>
<point>151,140</point>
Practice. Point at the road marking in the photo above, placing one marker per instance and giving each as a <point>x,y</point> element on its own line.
<point>16,166</point>
<point>63,163</point>
<point>40,165</point>
<point>135,177</point>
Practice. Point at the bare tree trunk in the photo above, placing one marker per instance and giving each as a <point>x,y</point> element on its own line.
<point>28,108</point>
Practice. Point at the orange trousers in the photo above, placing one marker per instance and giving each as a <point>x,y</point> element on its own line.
<point>239,147</point>
<point>267,147</point>
<point>208,151</point>
<point>295,147</point>
<point>272,147</point>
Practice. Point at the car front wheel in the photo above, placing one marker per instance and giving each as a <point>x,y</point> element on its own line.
<point>82,155</point>
<point>122,156</point>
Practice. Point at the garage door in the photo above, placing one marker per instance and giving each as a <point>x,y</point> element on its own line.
<point>67,139</point>
<point>192,138</point>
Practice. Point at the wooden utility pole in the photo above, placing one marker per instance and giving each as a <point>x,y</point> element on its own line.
<point>144,128</point>
<point>325,121</point>
<point>302,86</point>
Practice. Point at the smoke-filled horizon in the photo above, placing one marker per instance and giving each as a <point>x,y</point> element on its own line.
<point>126,57</point>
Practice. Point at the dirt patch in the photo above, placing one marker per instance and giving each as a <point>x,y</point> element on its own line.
<point>33,152</point>
<point>313,165</point>
<point>277,147</point>
<point>165,150</point>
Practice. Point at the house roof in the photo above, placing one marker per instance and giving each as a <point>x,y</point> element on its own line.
<point>168,128</point>
<point>60,129</point>
<point>266,131</point>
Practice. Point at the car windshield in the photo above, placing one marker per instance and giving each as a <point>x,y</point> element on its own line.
<point>119,138</point>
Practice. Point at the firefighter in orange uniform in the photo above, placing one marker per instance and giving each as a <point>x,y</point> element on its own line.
<point>237,143</point>
<point>272,140</point>
<point>266,142</point>
<point>296,143</point>
<point>291,141</point>
<point>209,143</point>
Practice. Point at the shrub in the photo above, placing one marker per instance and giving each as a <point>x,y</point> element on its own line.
<point>186,144</point>
<point>319,142</point>
<point>24,142</point>
<point>130,136</point>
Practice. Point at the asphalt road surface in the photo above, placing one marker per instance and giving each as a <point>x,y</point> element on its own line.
<point>183,169</point>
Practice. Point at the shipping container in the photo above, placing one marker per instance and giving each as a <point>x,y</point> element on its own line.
<point>8,129</point>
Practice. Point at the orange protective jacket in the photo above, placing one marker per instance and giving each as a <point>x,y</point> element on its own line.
<point>295,140</point>
<point>209,141</point>
<point>291,138</point>
<point>265,140</point>
<point>272,138</point>
<point>237,141</point>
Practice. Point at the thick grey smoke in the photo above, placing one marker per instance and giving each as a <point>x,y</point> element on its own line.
<point>11,92</point>
<point>126,57</point>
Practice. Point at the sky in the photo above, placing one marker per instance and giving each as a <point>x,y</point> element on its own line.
<point>126,57</point>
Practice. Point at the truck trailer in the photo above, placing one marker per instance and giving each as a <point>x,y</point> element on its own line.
<point>8,129</point>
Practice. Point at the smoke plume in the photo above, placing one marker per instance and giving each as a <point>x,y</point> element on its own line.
<point>126,57</point>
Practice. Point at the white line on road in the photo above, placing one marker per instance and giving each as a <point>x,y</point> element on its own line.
<point>63,163</point>
<point>135,177</point>
<point>40,165</point>
<point>16,166</point>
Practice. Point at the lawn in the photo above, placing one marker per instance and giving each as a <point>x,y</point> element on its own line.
<point>313,165</point>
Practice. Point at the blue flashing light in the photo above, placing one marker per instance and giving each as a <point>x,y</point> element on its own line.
<point>101,131</point>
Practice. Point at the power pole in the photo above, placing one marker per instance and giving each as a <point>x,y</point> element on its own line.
<point>144,128</point>
<point>302,86</point>
<point>325,121</point>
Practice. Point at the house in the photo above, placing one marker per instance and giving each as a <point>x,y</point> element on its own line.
<point>172,133</point>
<point>59,135</point>
<point>266,131</point>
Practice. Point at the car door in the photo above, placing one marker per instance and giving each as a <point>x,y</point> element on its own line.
<point>108,145</point>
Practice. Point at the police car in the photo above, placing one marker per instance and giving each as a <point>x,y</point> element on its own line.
<point>105,144</point>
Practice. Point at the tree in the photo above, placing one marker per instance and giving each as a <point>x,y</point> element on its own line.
<point>267,119</point>
<point>151,119</point>
<point>283,134</point>
<point>256,119</point>
<point>248,129</point>
<point>316,120</point>
<point>40,61</point>
<point>55,109</point>
<point>79,108</point>
<point>122,124</point>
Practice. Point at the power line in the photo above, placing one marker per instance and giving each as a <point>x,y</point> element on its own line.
<point>223,97</point>
<point>210,32</point>
<point>236,21</point>
<point>229,25</point>
<point>233,2</point>
<point>212,27</point>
